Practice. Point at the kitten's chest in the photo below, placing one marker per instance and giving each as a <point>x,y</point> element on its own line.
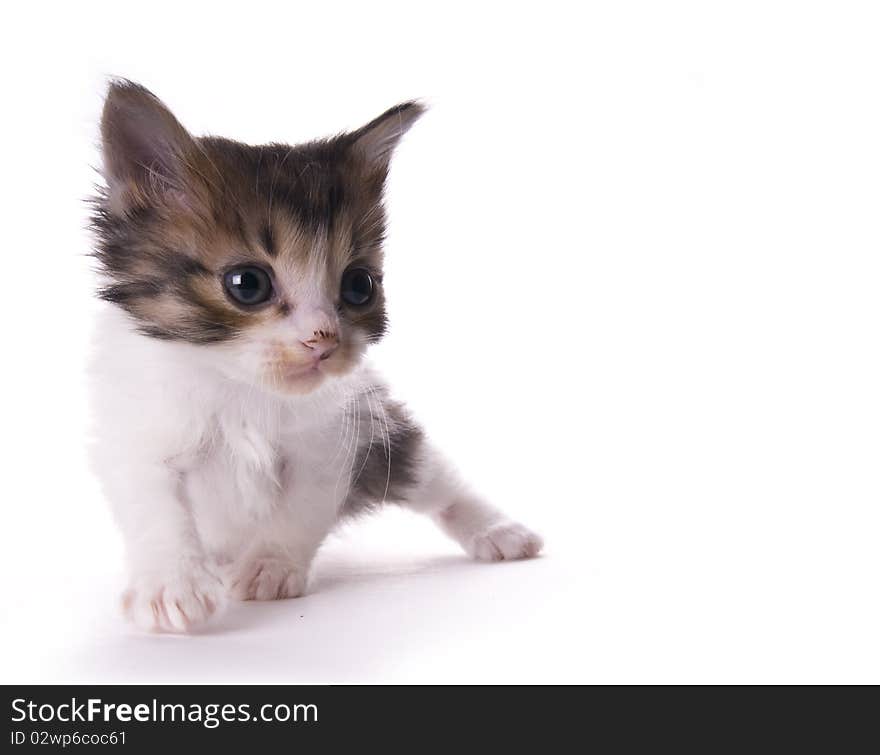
<point>257,458</point>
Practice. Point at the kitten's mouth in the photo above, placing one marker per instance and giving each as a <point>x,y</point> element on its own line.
<point>298,377</point>
<point>295,372</point>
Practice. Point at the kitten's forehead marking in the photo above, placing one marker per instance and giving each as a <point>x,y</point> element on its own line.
<point>309,262</point>
<point>267,238</point>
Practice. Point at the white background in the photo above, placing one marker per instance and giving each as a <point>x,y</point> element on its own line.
<point>634,280</point>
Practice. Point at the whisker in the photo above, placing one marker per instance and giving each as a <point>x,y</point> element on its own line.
<point>370,444</point>
<point>387,444</point>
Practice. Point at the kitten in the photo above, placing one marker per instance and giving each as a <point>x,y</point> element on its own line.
<point>237,422</point>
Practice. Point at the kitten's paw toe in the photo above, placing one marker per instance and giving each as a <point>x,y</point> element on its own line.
<point>268,579</point>
<point>179,601</point>
<point>505,542</point>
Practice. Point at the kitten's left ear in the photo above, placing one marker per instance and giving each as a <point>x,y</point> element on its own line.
<point>376,141</point>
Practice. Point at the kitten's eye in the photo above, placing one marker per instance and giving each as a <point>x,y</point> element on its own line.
<point>248,285</point>
<point>357,287</point>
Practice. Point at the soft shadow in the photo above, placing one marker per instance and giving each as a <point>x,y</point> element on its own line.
<point>334,575</point>
<point>339,575</point>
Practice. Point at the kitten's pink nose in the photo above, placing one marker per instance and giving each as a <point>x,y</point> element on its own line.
<point>322,343</point>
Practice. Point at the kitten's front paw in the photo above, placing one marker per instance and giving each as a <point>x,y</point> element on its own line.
<point>176,601</point>
<point>505,542</point>
<point>267,578</point>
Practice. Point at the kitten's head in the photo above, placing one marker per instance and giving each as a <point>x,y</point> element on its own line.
<point>268,258</point>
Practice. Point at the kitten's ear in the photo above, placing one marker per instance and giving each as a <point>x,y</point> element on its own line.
<point>377,140</point>
<point>144,146</point>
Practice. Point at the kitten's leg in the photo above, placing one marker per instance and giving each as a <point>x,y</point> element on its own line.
<point>400,465</point>
<point>276,563</point>
<point>276,566</point>
<point>172,588</point>
<point>482,530</point>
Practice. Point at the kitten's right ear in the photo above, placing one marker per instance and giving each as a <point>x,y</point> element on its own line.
<point>145,148</point>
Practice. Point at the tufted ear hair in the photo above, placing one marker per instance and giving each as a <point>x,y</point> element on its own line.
<point>145,149</point>
<point>376,141</point>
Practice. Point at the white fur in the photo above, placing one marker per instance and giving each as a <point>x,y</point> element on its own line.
<point>222,487</point>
